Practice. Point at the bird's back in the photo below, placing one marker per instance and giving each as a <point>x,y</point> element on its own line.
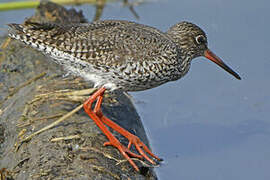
<point>129,55</point>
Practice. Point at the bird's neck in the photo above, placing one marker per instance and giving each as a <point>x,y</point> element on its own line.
<point>186,52</point>
<point>185,58</point>
<point>185,63</point>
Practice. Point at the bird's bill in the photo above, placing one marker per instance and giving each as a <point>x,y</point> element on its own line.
<point>211,56</point>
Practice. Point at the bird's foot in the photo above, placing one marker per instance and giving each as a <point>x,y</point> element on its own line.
<point>127,153</point>
<point>98,117</point>
<point>133,140</point>
<point>124,151</point>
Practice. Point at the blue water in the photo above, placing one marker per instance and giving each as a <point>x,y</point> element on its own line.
<point>207,125</point>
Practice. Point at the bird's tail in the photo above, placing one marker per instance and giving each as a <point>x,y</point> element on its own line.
<point>16,31</point>
<point>31,32</point>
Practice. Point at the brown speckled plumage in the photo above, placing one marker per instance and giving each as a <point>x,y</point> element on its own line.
<point>117,54</point>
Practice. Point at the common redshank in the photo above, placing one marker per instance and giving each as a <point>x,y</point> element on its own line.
<point>119,55</point>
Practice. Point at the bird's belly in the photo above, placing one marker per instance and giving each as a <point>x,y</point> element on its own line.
<point>137,84</point>
<point>112,82</point>
<point>118,80</point>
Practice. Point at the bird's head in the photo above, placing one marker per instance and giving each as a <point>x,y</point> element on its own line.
<point>192,42</point>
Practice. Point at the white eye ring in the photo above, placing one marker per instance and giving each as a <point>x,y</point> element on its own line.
<point>200,39</point>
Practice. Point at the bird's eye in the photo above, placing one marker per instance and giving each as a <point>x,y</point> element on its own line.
<point>200,39</point>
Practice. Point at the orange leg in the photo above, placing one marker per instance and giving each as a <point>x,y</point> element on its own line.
<point>100,119</point>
